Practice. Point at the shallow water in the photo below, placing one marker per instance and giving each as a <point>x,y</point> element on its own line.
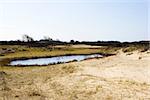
<point>53,60</point>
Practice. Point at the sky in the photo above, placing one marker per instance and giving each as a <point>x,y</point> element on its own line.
<point>82,20</point>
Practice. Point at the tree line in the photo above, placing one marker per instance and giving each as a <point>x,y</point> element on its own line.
<point>28,40</point>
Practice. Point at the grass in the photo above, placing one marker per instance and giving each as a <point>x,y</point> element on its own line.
<point>20,52</point>
<point>11,52</point>
<point>141,48</point>
<point>41,52</point>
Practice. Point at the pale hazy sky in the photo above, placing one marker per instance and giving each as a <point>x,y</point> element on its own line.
<point>123,20</point>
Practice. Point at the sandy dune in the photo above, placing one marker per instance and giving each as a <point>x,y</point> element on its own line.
<point>119,77</point>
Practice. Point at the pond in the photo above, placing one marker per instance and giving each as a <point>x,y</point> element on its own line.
<point>54,60</point>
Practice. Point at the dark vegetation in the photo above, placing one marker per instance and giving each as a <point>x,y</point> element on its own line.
<point>129,46</point>
<point>29,41</point>
<point>49,43</point>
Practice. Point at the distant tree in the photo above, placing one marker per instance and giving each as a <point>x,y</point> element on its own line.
<point>72,41</point>
<point>77,42</point>
<point>18,40</point>
<point>27,38</point>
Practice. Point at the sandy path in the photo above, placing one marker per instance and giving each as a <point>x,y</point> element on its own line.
<point>120,77</point>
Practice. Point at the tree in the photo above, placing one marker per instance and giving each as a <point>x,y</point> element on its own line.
<point>72,41</point>
<point>27,38</point>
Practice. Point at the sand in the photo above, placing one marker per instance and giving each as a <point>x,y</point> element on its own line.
<point>125,76</point>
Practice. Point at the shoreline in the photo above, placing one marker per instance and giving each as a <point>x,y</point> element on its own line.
<point>8,60</point>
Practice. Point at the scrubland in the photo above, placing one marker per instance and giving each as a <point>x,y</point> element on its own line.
<point>123,76</point>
